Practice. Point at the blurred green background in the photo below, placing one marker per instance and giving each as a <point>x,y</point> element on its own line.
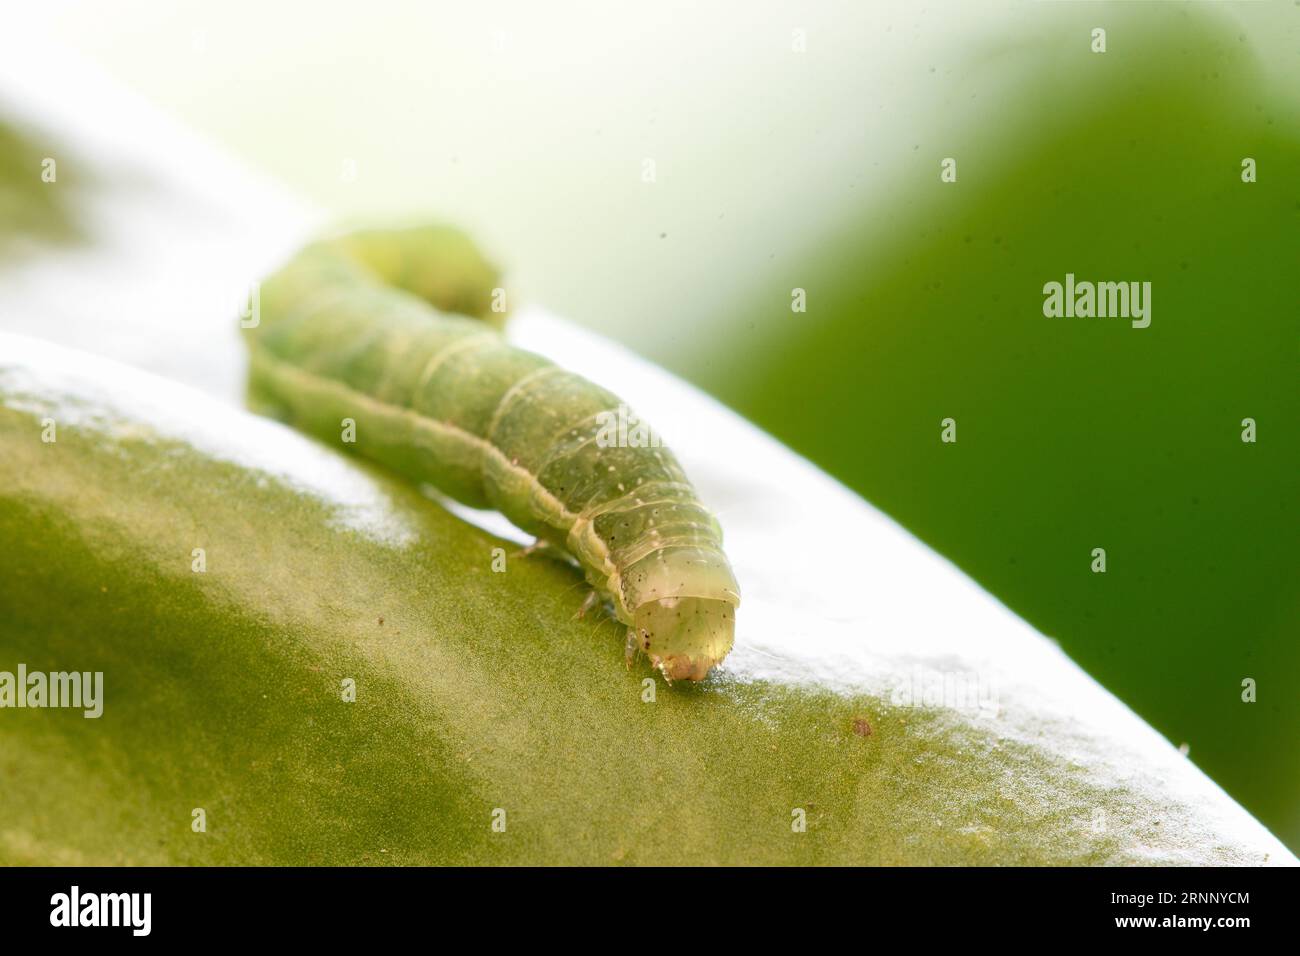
<point>798,145</point>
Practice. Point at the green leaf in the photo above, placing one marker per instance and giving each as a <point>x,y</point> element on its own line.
<point>478,691</point>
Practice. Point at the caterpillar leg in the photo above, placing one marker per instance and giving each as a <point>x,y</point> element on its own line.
<point>587,605</point>
<point>547,549</point>
<point>540,546</point>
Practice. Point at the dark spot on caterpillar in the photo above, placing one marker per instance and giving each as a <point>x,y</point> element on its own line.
<point>861,727</point>
<point>381,620</point>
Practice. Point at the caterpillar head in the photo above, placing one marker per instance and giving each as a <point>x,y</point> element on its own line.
<point>683,604</point>
<point>683,637</point>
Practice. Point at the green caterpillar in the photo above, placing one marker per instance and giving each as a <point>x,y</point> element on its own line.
<point>387,328</point>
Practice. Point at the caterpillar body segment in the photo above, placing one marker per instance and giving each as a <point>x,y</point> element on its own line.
<point>395,331</point>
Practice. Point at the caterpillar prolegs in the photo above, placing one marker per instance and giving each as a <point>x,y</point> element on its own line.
<point>395,330</point>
